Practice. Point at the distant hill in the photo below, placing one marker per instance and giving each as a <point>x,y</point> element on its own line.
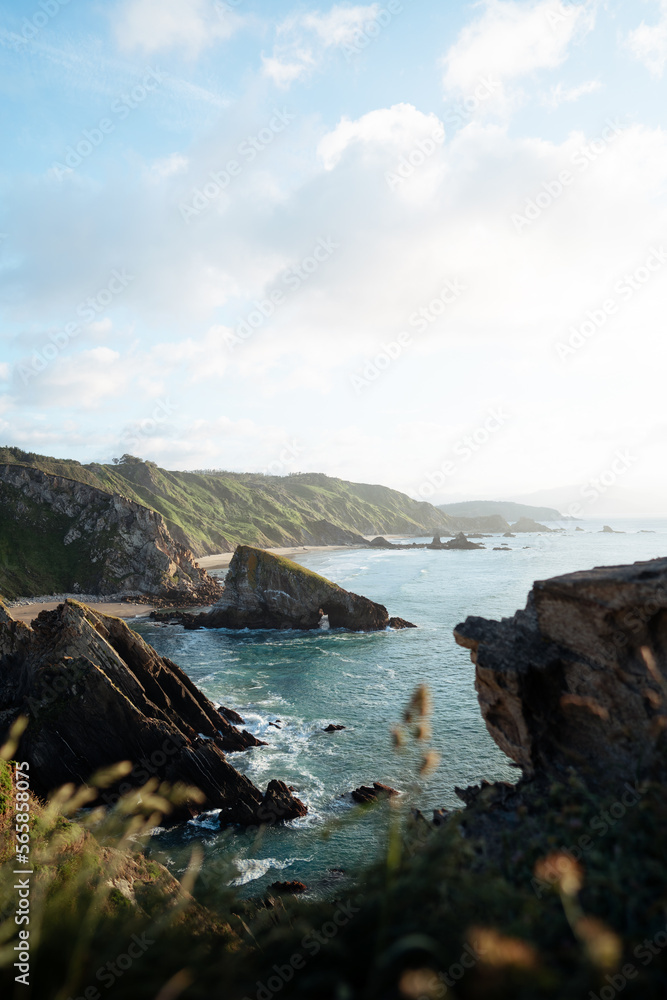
<point>213,512</point>
<point>504,508</point>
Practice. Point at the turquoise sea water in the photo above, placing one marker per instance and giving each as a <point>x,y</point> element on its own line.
<point>363,681</point>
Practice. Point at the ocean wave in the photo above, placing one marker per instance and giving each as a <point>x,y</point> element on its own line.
<point>251,869</point>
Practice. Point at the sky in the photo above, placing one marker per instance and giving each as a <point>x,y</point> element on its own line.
<point>415,243</point>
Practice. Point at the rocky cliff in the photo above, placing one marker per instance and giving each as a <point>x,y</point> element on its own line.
<point>59,535</point>
<point>579,678</point>
<point>95,694</point>
<point>263,590</point>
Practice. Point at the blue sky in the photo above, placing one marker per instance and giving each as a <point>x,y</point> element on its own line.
<point>341,238</point>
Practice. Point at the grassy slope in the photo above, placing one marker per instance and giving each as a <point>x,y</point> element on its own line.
<point>216,512</point>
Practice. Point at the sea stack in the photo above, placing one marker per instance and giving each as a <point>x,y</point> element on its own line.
<point>266,591</point>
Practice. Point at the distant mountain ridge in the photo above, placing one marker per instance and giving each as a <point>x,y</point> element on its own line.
<point>508,509</point>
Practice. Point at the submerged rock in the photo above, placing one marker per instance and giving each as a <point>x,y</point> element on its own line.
<point>577,679</point>
<point>95,694</point>
<point>294,888</point>
<point>263,590</point>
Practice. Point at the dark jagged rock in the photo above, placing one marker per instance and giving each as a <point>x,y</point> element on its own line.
<point>294,888</point>
<point>95,694</point>
<point>400,623</point>
<point>266,591</point>
<point>577,679</point>
<point>279,804</point>
<point>231,715</point>
<point>461,542</point>
<point>365,793</point>
<point>331,728</point>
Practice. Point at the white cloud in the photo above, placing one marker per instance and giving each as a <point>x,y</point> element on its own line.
<point>166,167</point>
<point>287,65</point>
<point>511,40</point>
<point>156,25</point>
<point>568,95</point>
<point>341,25</point>
<point>399,127</point>
<point>101,326</point>
<point>303,39</point>
<point>649,43</point>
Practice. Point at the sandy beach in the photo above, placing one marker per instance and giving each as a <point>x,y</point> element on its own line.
<point>28,612</point>
<point>223,559</point>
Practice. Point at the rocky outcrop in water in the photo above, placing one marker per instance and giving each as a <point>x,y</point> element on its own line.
<point>266,591</point>
<point>103,543</point>
<point>461,542</point>
<point>579,678</point>
<point>95,694</point>
<point>367,794</point>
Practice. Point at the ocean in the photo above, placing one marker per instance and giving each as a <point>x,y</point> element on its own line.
<point>302,681</point>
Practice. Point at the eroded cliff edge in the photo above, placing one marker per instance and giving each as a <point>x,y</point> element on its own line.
<point>95,693</point>
<point>576,680</point>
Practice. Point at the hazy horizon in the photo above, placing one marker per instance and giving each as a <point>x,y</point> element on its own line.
<point>409,245</point>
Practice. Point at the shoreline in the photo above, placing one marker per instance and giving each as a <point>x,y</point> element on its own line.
<point>27,612</point>
<point>222,559</point>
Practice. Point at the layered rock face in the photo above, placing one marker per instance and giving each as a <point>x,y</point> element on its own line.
<point>579,678</point>
<point>95,694</point>
<point>113,543</point>
<point>263,590</point>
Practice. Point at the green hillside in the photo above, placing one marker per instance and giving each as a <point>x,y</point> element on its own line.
<point>215,511</point>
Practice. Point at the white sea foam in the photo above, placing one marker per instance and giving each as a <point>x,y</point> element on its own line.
<point>251,869</point>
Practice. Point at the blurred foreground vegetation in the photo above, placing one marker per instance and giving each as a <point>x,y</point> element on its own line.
<point>493,904</point>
